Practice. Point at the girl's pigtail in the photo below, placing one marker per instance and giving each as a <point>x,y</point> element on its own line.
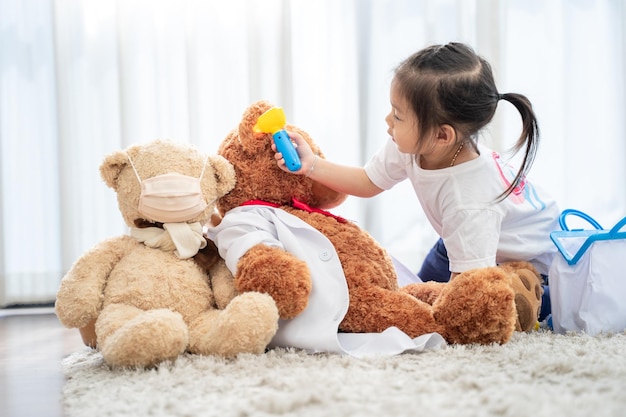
<point>529,138</point>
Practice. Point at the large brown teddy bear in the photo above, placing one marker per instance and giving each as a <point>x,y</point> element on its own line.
<point>476,307</point>
<point>150,300</point>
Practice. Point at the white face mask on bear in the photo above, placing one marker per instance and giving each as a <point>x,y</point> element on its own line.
<point>170,198</point>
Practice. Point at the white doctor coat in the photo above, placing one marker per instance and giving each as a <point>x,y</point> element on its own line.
<point>316,328</point>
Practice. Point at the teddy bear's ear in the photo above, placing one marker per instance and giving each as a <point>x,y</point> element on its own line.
<point>111,167</point>
<point>224,173</point>
<point>251,141</point>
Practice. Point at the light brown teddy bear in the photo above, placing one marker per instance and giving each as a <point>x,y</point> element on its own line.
<point>270,239</point>
<point>148,297</point>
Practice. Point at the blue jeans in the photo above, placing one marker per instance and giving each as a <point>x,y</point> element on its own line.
<point>436,267</point>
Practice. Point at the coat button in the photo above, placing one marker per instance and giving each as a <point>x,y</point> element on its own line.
<point>325,255</point>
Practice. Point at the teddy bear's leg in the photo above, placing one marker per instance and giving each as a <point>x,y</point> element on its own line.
<point>128,336</point>
<point>374,309</point>
<point>247,324</point>
<point>427,291</point>
<point>477,306</point>
<point>527,284</point>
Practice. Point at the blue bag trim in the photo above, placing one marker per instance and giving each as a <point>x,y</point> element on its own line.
<point>592,235</point>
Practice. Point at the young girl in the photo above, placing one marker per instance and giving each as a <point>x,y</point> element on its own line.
<point>484,211</point>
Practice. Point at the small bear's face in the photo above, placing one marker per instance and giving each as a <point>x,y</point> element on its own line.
<point>258,175</point>
<point>125,171</point>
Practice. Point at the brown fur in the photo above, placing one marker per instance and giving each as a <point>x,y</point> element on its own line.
<point>477,307</point>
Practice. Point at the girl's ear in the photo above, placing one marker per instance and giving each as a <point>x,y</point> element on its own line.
<point>446,135</point>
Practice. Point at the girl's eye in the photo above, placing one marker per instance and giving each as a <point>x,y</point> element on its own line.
<point>395,116</point>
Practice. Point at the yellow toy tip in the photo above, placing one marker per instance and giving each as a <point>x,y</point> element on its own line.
<point>271,121</point>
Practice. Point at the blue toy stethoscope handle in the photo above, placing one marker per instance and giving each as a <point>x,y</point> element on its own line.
<point>286,148</point>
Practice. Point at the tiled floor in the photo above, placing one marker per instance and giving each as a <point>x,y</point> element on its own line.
<point>32,345</point>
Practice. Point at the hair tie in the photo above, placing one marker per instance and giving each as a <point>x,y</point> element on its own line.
<point>500,97</point>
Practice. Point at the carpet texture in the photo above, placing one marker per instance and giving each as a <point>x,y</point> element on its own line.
<point>536,374</point>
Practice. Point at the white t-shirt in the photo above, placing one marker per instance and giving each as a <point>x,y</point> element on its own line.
<point>459,203</point>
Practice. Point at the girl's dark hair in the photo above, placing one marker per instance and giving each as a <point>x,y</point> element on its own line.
<point>450,84</point>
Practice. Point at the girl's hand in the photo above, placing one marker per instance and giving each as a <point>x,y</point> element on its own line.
<point>307,157</point>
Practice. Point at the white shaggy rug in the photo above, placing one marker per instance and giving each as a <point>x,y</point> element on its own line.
<point>537,374</point>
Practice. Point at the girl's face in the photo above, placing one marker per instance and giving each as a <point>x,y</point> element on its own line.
<point>401,122</point>
<point>437,149</point>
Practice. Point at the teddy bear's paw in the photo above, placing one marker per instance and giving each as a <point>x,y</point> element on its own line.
<point>274,271</point>
<point>477,306</point>
<point>527,284</point>
<point>76,309</point>
<point>246,325</point>
<point>147,339</point>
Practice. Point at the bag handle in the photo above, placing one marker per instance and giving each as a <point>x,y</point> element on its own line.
<point>615,230</point>
<point>612,234</point>
<point>580,214</point>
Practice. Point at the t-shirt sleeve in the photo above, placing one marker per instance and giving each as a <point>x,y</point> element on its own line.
<point>388,166</point>
<point>471,238</point>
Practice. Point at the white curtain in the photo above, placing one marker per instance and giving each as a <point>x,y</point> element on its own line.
<point>81,78</point>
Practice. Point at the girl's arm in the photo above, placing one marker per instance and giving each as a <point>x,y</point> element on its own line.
<point>341,178</point>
